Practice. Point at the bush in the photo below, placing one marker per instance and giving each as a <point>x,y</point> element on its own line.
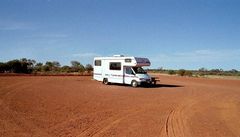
<point>66,69</point>
<point>188,73</point>
<point>171,72</point>
<point>89,68</point>
<point>45,68</point>
<point>77,67</point>
<point>181,72</point>
<point>3,67</point>
<point>38,67</point>
<point>202,73</point>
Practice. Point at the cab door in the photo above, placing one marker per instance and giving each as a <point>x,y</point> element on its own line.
<point>128,75</point>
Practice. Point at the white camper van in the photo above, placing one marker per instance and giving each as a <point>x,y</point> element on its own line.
<point>121,69</point>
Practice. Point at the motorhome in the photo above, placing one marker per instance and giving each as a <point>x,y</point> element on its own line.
<point>121,69</point>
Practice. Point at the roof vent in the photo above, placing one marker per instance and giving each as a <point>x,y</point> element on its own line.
<point>118,55</point>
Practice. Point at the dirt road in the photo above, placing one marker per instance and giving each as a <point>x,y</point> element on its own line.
<point>78,106</point>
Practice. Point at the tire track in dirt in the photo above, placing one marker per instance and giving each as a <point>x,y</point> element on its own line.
<point>97,129</point>
<point>167,122</point>
<point>8,89</point>
<point>176,119</point>
<point>175,123</point>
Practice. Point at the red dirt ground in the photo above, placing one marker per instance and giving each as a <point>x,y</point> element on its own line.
<point>49,106</point>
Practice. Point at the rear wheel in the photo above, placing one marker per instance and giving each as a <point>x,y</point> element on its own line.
<point>154,82</point>
<point>105,81</point>
<point>134,84</point>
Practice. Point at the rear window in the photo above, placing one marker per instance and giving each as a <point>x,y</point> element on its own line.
<point>115,65</point>
<point>98,63</point>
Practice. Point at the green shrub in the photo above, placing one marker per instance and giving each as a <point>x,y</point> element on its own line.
<point>201,74</point>
<point>188,73</point>
<point>171,72</point>
<point>89,67</point>
<point>181,72</point>
<point>66,69</point>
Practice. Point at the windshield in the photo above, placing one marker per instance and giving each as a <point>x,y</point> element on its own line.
<point>139,70</point>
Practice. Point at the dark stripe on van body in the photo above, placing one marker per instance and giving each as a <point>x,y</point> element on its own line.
<point>116,75</point>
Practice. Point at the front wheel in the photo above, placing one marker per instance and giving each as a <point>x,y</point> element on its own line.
<point>134,84</point>
<point>105,81</point>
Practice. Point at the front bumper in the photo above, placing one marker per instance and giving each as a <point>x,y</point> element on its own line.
<point>145,82</point>
<point>148,82</point>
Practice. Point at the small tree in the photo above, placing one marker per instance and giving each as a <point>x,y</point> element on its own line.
<point>56,66</point>
<point>188,73</point>
<point>15,66</point>
<point>202,69</point>
<point>38,67</point>
<point>233,71</point>
<point>216,71</point>
<point>75,63</point>
<point>171,72</point>
<point>51,66</point>
<point>48,66</point>
<point>89,68</point>
<point>181,72</point>
<point>77,67</point>
<point>3,67</point>
<point>27,65</point>
<point>66,69</point>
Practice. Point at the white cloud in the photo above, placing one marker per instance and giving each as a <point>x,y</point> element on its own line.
<point>55,35</point>
<point>196,55</point>
<point>15,25</point>
<point>209,55</point>
<point>50,36</point>
<point>197,58</point>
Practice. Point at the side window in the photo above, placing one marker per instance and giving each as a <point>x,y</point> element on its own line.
<point>128,60</point>
<point>115,65</point>
<point>98,63</point>
<point>129,71</point>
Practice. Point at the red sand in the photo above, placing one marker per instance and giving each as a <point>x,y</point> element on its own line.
<point>47,106</point>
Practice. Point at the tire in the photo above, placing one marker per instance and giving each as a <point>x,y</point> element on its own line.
<point>105,81</point>
<point>134,83</point>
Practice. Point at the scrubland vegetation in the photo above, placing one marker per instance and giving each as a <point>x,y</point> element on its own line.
<point>198,73</point>
<point>29,66</point>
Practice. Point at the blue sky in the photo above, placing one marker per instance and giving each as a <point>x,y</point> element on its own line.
<point>172,33</point>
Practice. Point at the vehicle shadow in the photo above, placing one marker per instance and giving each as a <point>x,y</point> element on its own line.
<point>150,86</point>
<point>162,86</point>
